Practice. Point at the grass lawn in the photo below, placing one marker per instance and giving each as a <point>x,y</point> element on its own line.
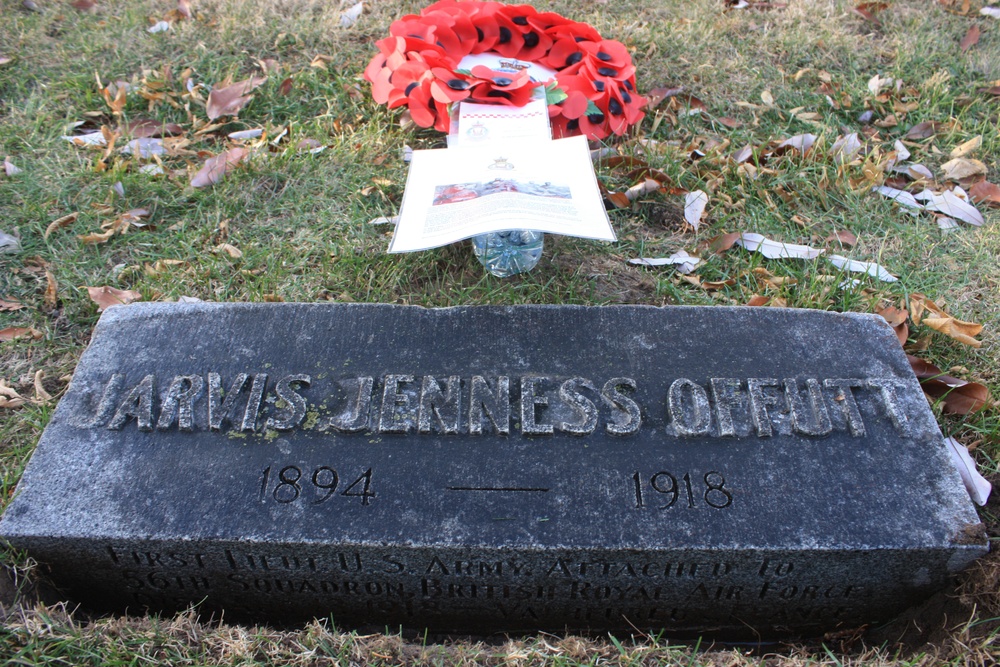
<point>291,223</point>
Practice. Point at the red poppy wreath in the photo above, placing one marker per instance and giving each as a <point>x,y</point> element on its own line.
<point>433,60</point>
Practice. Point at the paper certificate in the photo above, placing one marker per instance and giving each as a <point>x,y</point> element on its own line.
<point>456,193</point>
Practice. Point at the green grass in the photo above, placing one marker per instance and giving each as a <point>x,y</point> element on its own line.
<point>301,222</point>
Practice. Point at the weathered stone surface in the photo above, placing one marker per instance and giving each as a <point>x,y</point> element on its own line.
<point>726,470</point>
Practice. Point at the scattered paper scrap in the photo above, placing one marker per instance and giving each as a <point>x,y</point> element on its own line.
<point>871,268</point>
<point>775,249</point>
<point>159,26</point>
<point>9,244</point>
<point>89,139</point>
<point>684,262</point>
<point>350,16</point>
<point>978,487</point>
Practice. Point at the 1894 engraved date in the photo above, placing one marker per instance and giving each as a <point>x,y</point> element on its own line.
<point>291,483</point>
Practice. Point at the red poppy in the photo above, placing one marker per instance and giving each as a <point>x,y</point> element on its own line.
<point>416,66</point>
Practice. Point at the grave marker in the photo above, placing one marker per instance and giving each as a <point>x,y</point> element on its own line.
<point>719,470</point>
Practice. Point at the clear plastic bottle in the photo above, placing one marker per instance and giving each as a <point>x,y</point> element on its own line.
<point>506,253</point>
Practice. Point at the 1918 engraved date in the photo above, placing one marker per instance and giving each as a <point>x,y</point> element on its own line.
<point>291,483</point>
<point>663,490</point>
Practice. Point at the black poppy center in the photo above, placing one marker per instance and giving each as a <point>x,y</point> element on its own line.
<point>409,88</point>
<point>499,93</point>
<point>614,107</point>
<point>531,39</point>
<point>520,20</point>
<point>573,125</point>
<point>458,84</point>
<point>601,55</point>
<point>599,85</point>
<point>574,58</point>
<point>503,81</point>
<point>480,36</point>
<point>607,71</point>
<point>596,118</point>
<point>504,35</point>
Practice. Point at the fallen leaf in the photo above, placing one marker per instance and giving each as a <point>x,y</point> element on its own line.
<point>12,333</point>
<point>105,297</point>
<point>350,16</point>
<point>844,237</point>
<point>978,487</point>
<point>845,148</point>
<point>10,304</point>
<point>876,83</point>
<point>9,244</point>
<point>84,5</point>
<point>970,39</point>
<point>775,249</point>
<point>640,189</point>
<point>230,250</point>
<point>9,398</point>
<point>954,206</point>
<point>767,98</point>
<point>42,397</point>
<point>215,168</point>
<point>871,268</point>
<point>229,100</point>
<point>985,192</point>
<point>965,148</point>
<point>694,207</point>
<point>5,59</point>
<point>902,152</point>
<point>59,223</point>
<point>800,142</point>
<point>88,139</point>
<point>684,262</point>
<point>960,167</point>
<point>924,130</point>
<point>146,128</point>
<point>896,318</point>
<point>961,331</point>
<point>657,95</point>
<point>51,298</point>
<point>901,197</point>
<point>144,148</point>
<point>758,300</point>
<point>184,8</point>
<point>743,154</point>
<point>9,167</point>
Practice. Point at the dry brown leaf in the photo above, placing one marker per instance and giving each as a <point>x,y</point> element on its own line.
<point>227,101</point>
<point>957,396</point>
<point>657,95</point>
<point>105,297</point>
<point>985,192</point>
<point>84,5</point>
<point>285,87</point>
<point>758,300</point>
<point>184,8</point>
<point>9,398</point>
<point>11,333</point>
<point>64,221</point>
<point>146,128</point>
<point>724,242</point>
<point>896,318</point>
<point>970,39</point>
<point>961,331</point>
<point>51,291</point>
<point>960,167</point>
<point>920,303</point>
<point>844,237</point>
<point>967,147</point>
<point>42,397</point>
<point>924,130</point>
<point>215,168</point>
<point>229,249</point>
<point>10,304</point>
<point>97,238</point>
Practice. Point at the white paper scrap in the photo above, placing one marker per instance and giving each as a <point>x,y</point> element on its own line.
<point>160,26</point>
<point>901,197</point>
<point>774,249</point>
<point>871,268</point>
<point>977,485</point>
<point>684,262</point>
<point>89,139</point>
<point>144,148</point>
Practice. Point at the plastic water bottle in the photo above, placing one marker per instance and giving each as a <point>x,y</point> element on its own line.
<point>506,253</point>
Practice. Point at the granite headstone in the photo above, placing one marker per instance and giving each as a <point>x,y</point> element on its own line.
<point>728,471</point>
